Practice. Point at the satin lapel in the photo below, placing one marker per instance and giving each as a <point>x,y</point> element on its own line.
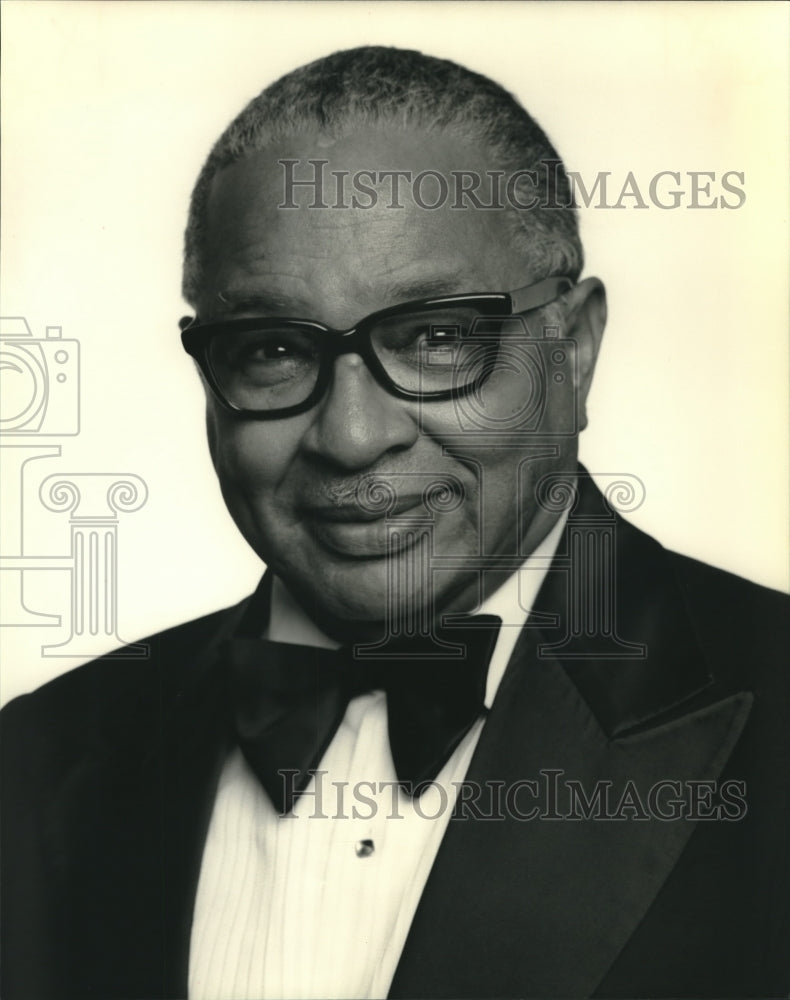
<point>127,825</point>
<point>542,907</point>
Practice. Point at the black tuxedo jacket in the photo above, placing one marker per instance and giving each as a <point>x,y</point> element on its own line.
<point>110,774</point>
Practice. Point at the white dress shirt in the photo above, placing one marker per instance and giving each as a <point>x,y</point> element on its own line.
<point>319,903</point>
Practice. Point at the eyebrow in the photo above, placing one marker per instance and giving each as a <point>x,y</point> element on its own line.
<point>258,300</point>
<point>407,291</point>
<point>446,284</point>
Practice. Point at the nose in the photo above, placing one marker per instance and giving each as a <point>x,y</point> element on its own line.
<point>358,421</point>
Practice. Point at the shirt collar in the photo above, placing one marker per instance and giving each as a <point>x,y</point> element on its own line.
<point>512,602</point>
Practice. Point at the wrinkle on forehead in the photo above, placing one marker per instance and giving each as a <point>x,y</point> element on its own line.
<point>340,264</point>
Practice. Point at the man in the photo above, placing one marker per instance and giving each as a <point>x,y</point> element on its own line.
<point>474,735</point>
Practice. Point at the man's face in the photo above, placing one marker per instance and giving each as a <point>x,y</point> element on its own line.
<point>290,484</point>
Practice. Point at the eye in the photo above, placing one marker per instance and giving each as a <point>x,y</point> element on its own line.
<point>267,347</point>
<point>272,349</point>
<point>444,332</point>
<point>408,332</point>
<point>258,359</point>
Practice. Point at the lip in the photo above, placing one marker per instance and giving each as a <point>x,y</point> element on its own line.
<point>355,512</point>
<point>356,533</point>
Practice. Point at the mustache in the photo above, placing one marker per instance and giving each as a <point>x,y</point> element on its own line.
<point>347,492</point>
<point>380,491</point>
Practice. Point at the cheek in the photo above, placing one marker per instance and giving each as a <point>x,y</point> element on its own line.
<point>511,476</point>
<point>250,456</point>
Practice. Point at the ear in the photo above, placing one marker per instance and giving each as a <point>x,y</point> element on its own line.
<point>585,319</point>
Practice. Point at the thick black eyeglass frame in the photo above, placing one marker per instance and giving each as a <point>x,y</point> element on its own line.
<point>196,338</point>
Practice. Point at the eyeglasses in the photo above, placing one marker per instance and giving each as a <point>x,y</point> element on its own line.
<point>433,349</point>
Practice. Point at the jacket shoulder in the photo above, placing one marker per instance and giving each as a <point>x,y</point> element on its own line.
<point>112,686</point>
<point>719,583</point>
<point>737,622</point>
<point>731,600</point>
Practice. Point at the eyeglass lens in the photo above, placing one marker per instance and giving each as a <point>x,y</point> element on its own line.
<point>433,350</point>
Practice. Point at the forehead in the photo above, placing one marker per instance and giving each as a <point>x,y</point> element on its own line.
<point>313,219</point>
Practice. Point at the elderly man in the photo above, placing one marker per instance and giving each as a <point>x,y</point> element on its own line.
<point>474,735</point>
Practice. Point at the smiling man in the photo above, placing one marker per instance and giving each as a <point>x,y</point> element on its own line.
<point>474,734</point>
<point>369,409</point>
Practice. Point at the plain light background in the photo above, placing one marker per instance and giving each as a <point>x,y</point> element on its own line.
<point>109,110</point>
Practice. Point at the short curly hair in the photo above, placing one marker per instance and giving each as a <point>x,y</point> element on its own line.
<point>375,85</point>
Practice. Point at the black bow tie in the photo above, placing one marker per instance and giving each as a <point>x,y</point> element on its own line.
<point>289,700</point>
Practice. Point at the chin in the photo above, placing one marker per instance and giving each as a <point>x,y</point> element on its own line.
<point>351,598</point>
<point>352,592</point>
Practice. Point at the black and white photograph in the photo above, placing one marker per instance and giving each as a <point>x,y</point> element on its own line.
<point>395,482</point>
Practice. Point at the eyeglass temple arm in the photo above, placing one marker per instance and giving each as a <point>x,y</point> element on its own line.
<point>522,300</point>
<point>535,296</point>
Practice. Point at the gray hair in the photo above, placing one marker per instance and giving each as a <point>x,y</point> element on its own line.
<point>374,85</point>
